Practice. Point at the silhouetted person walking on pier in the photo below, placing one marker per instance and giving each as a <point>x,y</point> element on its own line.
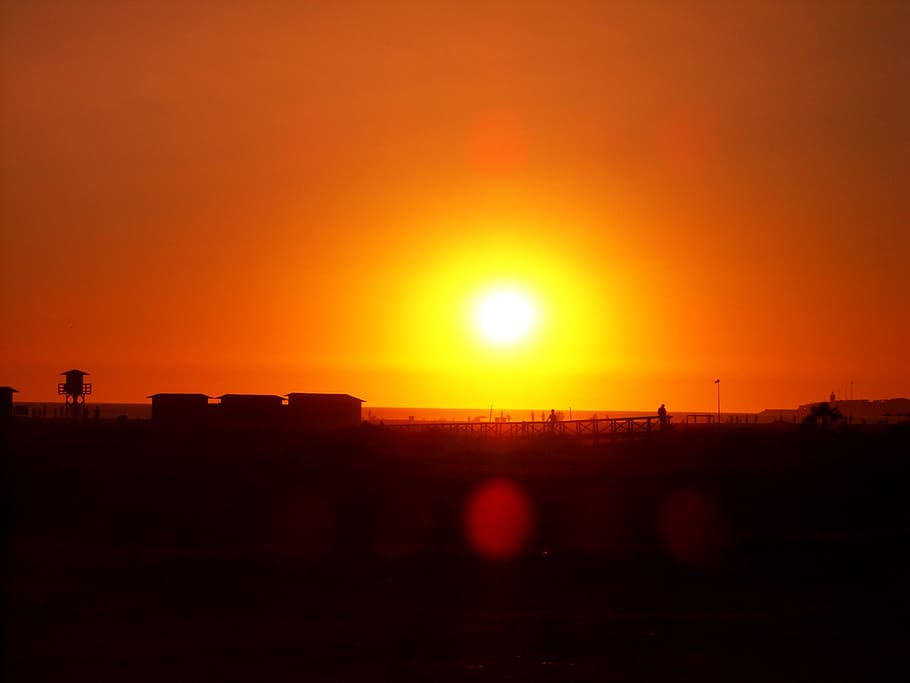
<point>662,414</point>
<point>551,420</point>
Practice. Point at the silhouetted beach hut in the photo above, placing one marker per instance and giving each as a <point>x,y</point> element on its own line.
<point>184,408</point>
<point>324,411</point>
<point>6,402</point>
<point>250,409</point>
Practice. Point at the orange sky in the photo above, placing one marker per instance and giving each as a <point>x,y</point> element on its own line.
<point>287,196</point>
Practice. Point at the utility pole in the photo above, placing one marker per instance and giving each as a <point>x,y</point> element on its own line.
<point>717,382</point>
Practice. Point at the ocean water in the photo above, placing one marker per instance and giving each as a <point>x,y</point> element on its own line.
<point>143,411</point>
<point>486,415</point>
<point>393,414</point>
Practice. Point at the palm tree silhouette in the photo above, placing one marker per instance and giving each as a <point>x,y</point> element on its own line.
<point>825,413</point>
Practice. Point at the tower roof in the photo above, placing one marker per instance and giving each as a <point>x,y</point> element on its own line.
<point>74,372</point>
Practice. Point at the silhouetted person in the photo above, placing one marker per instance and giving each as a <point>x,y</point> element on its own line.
<point>662,414</point>
<point>551,419</point>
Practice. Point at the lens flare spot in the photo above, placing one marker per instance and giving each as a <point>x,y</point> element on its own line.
<point>498,143</point>
<point>498,519</point>
<point>692,528</point>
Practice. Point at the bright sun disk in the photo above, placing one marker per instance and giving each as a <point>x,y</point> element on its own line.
<point>505,317</point>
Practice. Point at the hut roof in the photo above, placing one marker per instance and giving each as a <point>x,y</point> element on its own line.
<point>299,393</point>
<point>174,395</point>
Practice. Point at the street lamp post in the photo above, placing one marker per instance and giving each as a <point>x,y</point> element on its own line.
<point>717,382</point>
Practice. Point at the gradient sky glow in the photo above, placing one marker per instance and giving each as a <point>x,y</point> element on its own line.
<point>306,196</point>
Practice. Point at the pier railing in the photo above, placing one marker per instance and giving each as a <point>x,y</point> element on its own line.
<point>594,427</point>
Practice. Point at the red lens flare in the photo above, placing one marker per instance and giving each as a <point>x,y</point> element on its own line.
<point>497,143</point>
<point>498,519</point>
<point>692,528</point>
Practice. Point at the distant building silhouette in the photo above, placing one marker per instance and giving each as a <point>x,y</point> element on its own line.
<point>182,408</point>
<point>779,415</point>
<point>858,411</point>
<point>75,390</point>
<point>6,402</point>
<point>323,411</point>
<point>307,412</point>
<point>250,409</point>
<point>862,410</point>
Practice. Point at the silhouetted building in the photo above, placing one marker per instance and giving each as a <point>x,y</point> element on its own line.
<point>779,415</point>
<point>75,389</point>
<point>857,412</point>
<point>250,409</point>
<point>323,411</point>
<point>182,408</point>
<point>6,402</point>
<point>862,410</point>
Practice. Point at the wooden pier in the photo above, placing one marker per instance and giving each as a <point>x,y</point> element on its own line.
<point>594,427</point>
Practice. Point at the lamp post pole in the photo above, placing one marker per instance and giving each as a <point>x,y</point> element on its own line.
<point>717,382</point>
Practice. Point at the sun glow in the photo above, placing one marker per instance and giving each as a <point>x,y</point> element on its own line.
<point>505,317</point>
<point>513,321</point>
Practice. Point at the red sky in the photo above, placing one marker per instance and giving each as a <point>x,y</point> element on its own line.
<point>287,196</point>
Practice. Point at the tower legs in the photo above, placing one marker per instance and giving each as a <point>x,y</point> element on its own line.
<point>75,406</point>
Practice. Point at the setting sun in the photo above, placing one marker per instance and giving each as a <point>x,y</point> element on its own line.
<point>440,205</point>
<point>526,339</point>
<point>504,317</point>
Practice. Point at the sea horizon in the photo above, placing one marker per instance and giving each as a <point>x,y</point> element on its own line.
<point>143,410</point>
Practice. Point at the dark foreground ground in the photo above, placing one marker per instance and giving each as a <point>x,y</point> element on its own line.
<point>135,555</point>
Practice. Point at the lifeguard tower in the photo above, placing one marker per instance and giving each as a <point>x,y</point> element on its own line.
<point>75,390</point>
